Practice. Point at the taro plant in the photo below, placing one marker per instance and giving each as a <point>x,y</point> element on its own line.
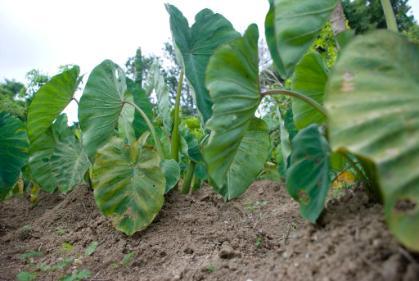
<point>363,110</point>
<point>360,113</point>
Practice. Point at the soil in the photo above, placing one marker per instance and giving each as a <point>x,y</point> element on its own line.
<point>258,237</point>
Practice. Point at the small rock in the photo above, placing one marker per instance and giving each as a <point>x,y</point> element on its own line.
<point>188,251</point>
<point>412,273</point>
<point>392,268</point>
<point>227,252</point>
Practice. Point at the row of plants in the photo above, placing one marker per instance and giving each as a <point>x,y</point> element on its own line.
<point>358,115</point>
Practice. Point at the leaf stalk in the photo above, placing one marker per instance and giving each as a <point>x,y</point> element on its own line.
<point>299,96</point>
<point>150,127</point>
<point>175,132</point>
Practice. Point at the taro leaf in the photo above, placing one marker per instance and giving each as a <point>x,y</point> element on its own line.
<point>69,164</point>
<point>13,151</point>
<point>171,171</point>
<point>233,83</point>
<point>142,101</point>
<point>158,85</point>
<point>41,151</point>
<point>310,78</point>
<point>373,102</point>
<point>291,27</point>
<point>60,128</point>
<point>50,100</point>
<point>201,172</point>
<point>196,45</point>
<point>128,184</point>
<point>101,105</point>
<point>193,149</point>
<point>285,145</point>
<point>308,175</point>
<point>126,119</point>
<point>248,160</point>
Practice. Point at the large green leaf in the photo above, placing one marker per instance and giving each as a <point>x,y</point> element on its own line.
<point>128,184</point>
<point>171,171</point>
<point>196,44</point>
<point>126,120</point>
<point>373,102</point>
<point>285,144</point>
<point>50,101</point>
<point>291,27</point>
<point>310,78</point>
<point>101,105</point>
<point>308,175</point>
<point>157,84</point>
<point>248,160</point>
<point>69,164</point>
<point>192,147</point>
<point>41,151</point>
<point>13,151</point>
<point>233,83</point>
<point>142,100</point>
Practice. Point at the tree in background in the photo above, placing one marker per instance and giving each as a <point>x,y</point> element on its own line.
<point>170,70</point>
<point>138,66</point>
<point>35,80</point>
<point>365,15</point>
<point>10,91</point>
<point>15,97</point>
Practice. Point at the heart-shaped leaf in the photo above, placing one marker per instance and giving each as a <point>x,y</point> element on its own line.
<point>142,101</point>
<point>239,143</point>
<point>158,85</point>
<point>291,27</point>
<point>310,78</point>
<point>69,164</point>
<point>128,184</point>
<point>41,151</point>
<point>196,45</point>
<point>101,104</point>
<point>171,171</point>
<point>13,151</point>
<point>308,175</point>
<point>50,100</point>
<point>373,102</point>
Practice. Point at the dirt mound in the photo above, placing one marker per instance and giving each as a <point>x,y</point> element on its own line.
<point>260,236</point>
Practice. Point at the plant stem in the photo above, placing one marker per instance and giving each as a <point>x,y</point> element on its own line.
<point>150,127</point>
<point>196,183</point>
<point>188,178</point>
<point>355,166</point>
<point>175,132</point>
<point>299,96</point>
<point>389,15</point>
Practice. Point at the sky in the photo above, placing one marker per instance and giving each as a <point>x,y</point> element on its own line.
<point>45,34</point>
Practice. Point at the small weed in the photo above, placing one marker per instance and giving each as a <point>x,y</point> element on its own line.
<point>60,231</point>
<point>259,241</point>
<point>126,261</point>
<point>26,276</point>
<point>29,256</point>
<point>253,206</point>
<point>77,275</point>
<point>128,258</point>
<point>25,232</point>
<point>211,268</point>
<point>67,247</point>
<point>60,265</point>
<point>91,249</point>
